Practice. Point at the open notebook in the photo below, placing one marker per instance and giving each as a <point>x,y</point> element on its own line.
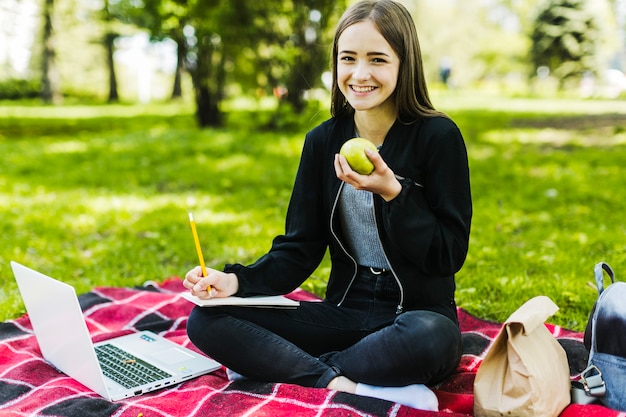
<point>273,301</point>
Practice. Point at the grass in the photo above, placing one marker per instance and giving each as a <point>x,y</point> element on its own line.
<point>98,195</point>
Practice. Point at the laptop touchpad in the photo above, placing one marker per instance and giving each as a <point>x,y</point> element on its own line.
<point>172,356</point>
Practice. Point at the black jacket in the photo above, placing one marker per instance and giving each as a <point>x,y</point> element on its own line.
<point>424,231</point>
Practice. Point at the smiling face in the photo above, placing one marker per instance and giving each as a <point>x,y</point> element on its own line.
<point>367,68</point>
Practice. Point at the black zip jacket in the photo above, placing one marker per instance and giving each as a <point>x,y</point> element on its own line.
<point>424,231</point>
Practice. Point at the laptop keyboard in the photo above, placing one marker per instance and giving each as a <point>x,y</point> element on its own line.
<point>127,370</point>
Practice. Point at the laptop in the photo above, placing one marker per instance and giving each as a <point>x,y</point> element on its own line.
<point>117,368</point>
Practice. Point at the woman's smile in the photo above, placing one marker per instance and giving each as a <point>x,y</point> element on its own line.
<point>362,89</point>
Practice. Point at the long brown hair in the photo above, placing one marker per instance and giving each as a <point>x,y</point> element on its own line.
<point>396,25</point>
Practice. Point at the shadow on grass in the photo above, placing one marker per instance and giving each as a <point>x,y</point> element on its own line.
<point>146,154</point>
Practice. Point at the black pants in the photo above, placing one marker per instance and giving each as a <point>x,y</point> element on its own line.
<point>363,339</point>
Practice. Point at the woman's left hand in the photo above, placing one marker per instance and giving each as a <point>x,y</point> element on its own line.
<point>381,181</point>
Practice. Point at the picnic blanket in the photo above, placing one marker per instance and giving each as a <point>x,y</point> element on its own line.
<point>29,386</point>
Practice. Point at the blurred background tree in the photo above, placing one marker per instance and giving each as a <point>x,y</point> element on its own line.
<point>565,40</point>
<point>261,45</point>
<point>209,51</point>
<point>163,20</point>
<point>50,89</point>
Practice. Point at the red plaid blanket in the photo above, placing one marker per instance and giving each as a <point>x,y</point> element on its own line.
<point>29,386</point>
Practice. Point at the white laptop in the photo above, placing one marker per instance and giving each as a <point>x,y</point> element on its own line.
<point>117,368</point>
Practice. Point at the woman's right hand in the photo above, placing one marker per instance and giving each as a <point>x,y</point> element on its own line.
<point>381,181</point>
<point>216,284</point>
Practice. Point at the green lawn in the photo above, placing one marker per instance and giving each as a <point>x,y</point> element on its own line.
<point>99,195</point>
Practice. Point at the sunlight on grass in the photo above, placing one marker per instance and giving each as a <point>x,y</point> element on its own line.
<point>237,162</point>
<point>555,137</point>
<point>493,101</point>
<point>67,147</point>
<point>70,112</point>
<point>206,216</point>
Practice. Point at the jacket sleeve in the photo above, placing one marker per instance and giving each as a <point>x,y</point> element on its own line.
<point>295,254</point>
<point>429,221</point>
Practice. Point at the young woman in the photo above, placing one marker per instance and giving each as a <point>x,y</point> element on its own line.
<point>388,325</point>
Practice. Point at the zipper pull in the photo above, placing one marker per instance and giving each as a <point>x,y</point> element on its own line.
<point>399,309</point>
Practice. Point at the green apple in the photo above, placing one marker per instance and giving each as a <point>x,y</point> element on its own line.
<point>354,152</point>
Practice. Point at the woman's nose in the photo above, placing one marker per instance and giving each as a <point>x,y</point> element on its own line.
<point>361,71</point>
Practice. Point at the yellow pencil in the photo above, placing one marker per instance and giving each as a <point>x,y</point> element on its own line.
<point>198,248</point>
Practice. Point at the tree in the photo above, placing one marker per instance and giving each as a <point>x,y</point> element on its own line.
<point>50,92</point>
<point>257,45</point>
<point>206,34</point>
<point>111,11</point>
<point>164,19</point>
<point>564,39</point>
<point>251,46</point>
<point>178,37</point>
<point>109,45</point>
<point>206,64</point>
<point>308,44</point>
<point>117,19</point>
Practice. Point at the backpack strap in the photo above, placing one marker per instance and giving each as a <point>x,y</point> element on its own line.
<point>598,272</point>
<point>589,388</point>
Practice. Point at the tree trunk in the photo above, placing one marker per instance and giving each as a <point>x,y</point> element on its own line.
<point>49,76</point>
<point>307,65</point>
<point>181,51</point>
<point>207,83</point>
<point>298,84</point>
<point>109,44</point>
<point>207,111</point>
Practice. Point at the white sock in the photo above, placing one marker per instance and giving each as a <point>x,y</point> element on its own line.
<point>234,376</point>
<point>417,395</point>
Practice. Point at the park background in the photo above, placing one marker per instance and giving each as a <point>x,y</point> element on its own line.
<point>117,117</point>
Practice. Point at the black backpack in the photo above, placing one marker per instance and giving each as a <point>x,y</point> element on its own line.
<point>605,338</point>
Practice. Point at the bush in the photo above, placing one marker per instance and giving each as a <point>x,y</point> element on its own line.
<point>16,89</point>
